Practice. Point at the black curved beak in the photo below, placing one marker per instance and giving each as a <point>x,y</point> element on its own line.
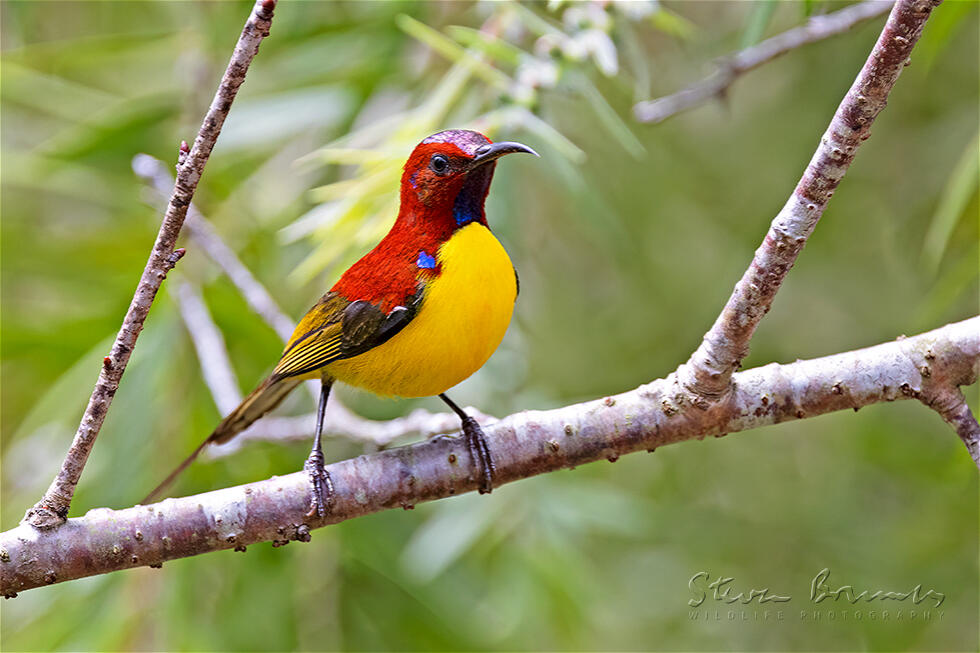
<point>493,151</point>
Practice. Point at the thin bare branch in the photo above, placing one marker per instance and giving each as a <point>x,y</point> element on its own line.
<point>154,172</point>
<point>210,347</point>
<point>524,445</point>
<point>202,231</point>
<point>732,67</point>
<point>341,422</point>
<point>53,507</point>
<point>707,374</point>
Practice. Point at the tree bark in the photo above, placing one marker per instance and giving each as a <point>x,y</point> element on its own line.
<point>524,445</point>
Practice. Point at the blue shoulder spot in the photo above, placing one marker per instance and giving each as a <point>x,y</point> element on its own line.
<point>425,261</point>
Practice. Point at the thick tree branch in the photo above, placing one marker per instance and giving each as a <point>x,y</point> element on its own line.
<point>524,445</point>
<point>732,67</point>
<point>707,373</point>
<point>53,507</point>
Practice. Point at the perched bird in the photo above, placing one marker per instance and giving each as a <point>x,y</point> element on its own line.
<point>416,315</point>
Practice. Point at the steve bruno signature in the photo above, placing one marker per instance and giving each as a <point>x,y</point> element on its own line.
<point>722,589</point>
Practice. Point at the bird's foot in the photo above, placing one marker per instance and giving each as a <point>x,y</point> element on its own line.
<point>322,486</point>
<point>480,453</point>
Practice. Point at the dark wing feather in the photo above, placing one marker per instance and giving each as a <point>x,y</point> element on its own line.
<point>337,328</point>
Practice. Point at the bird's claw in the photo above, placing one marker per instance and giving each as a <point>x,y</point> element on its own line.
<point>321,485</point>
<point>480,453</point>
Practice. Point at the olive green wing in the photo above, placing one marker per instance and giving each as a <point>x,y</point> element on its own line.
<point>336,328</point>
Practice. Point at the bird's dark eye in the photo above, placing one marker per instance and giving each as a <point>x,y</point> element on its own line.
<point>439,164</point>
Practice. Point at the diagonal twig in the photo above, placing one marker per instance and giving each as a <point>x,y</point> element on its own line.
<point>732,67</point>
<point>53,507</point>
<point>154,172</point>
<point>210,347</point>
<point>707,374</point>
<point>341,422</point>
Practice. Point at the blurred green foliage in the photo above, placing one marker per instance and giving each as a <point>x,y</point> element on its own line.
<point>628,239</point>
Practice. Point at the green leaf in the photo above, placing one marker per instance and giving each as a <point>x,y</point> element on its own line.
<point>444,538</point>
<point>943,25</point>
<point>638,60</point>
<point>521,117</point>
<point>62,403</point>
<point>33,88</point>
<point>757,22</point>
<point>960,189</point>
<point>491,46</point>
<point>452,51</point>
<point>948,289</point>
<point>259,121</point>
<point>535,23</point>
<point>611,120</point>
<point>674,24</point>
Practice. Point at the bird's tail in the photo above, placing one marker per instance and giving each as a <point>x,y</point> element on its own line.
<point>264,398</point>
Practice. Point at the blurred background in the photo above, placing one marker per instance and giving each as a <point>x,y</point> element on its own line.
<point>628,239</point>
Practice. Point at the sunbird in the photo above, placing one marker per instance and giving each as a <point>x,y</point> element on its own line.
<point>415,316</point>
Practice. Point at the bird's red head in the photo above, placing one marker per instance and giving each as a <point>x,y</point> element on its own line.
<point>444,187</point>
<point>448,175</point>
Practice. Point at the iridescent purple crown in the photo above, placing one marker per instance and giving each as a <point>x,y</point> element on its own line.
<point>467,140</point>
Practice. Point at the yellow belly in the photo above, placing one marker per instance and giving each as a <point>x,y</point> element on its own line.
<point>460,323</point>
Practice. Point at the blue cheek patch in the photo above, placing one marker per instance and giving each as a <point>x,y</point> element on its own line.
<point>412,179</point>
<point>468,205</point>
<point>425,261</point>
<point>463,214</point>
